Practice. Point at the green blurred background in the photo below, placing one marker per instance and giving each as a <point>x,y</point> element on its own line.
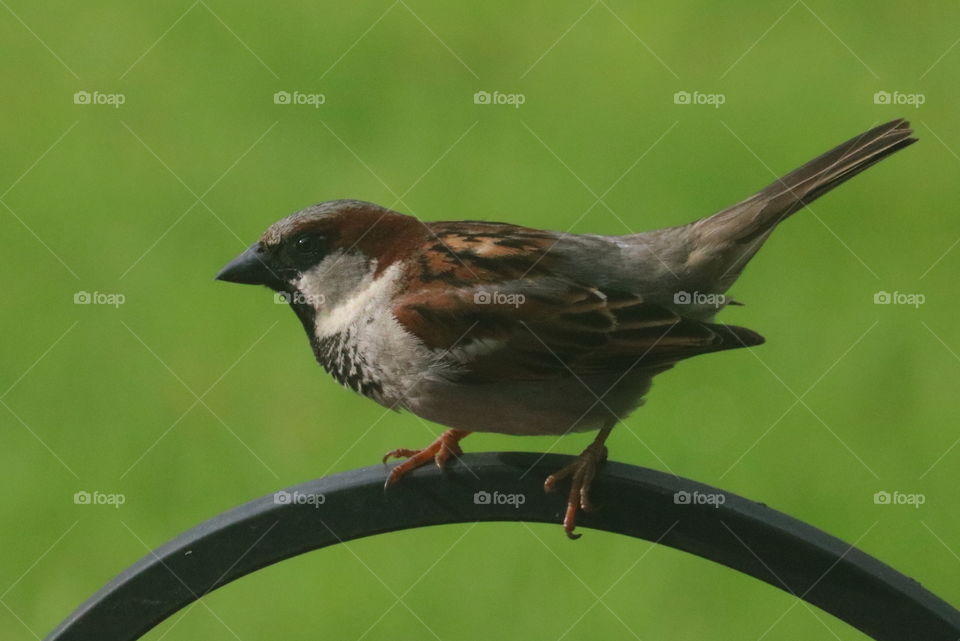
<point>150,198</point>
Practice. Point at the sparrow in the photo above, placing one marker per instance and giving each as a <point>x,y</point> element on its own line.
<point>494,327</point>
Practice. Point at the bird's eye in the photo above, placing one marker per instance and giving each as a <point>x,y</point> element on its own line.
<point>307,245</point>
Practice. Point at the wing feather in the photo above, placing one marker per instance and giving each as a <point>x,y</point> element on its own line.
<point>504,309</point>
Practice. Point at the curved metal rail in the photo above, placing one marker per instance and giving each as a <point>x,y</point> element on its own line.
<point>723,527</point>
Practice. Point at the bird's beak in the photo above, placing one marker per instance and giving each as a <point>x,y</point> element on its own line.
<point>248,268</point>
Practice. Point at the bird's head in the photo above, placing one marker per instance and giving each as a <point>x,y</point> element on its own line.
<point>317,257</point>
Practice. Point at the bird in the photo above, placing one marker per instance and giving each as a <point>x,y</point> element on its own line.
<point>484,326</point>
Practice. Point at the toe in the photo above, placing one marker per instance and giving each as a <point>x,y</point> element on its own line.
<point>570,522</point>
<point>550,483</point>
<point>585,483</point>
<point>398,453</point>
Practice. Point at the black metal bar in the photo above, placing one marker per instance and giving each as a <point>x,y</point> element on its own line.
<point>746,536</point>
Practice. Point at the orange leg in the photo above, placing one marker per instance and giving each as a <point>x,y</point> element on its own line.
<point>445,446</point>
<point>582,471</point>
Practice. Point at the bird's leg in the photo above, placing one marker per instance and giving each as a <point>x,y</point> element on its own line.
<point>445,446</point>
<point>581,470</point>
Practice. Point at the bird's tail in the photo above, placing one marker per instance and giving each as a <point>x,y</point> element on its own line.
<point>729,239</point>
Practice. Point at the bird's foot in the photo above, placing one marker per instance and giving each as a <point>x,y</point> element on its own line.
<point>581,472</point>
<point>445,446</point>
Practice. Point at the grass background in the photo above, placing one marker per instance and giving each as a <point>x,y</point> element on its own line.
<point>151,198</point>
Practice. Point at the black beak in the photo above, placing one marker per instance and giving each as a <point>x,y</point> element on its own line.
<point>248,268</point>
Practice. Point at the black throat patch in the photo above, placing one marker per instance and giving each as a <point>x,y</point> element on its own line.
<point>340,356</point>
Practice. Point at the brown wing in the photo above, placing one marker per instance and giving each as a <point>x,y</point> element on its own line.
<point>489,298</point>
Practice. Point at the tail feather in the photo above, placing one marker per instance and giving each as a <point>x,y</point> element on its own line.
<point>733,235</point>
<point>804,185</point>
